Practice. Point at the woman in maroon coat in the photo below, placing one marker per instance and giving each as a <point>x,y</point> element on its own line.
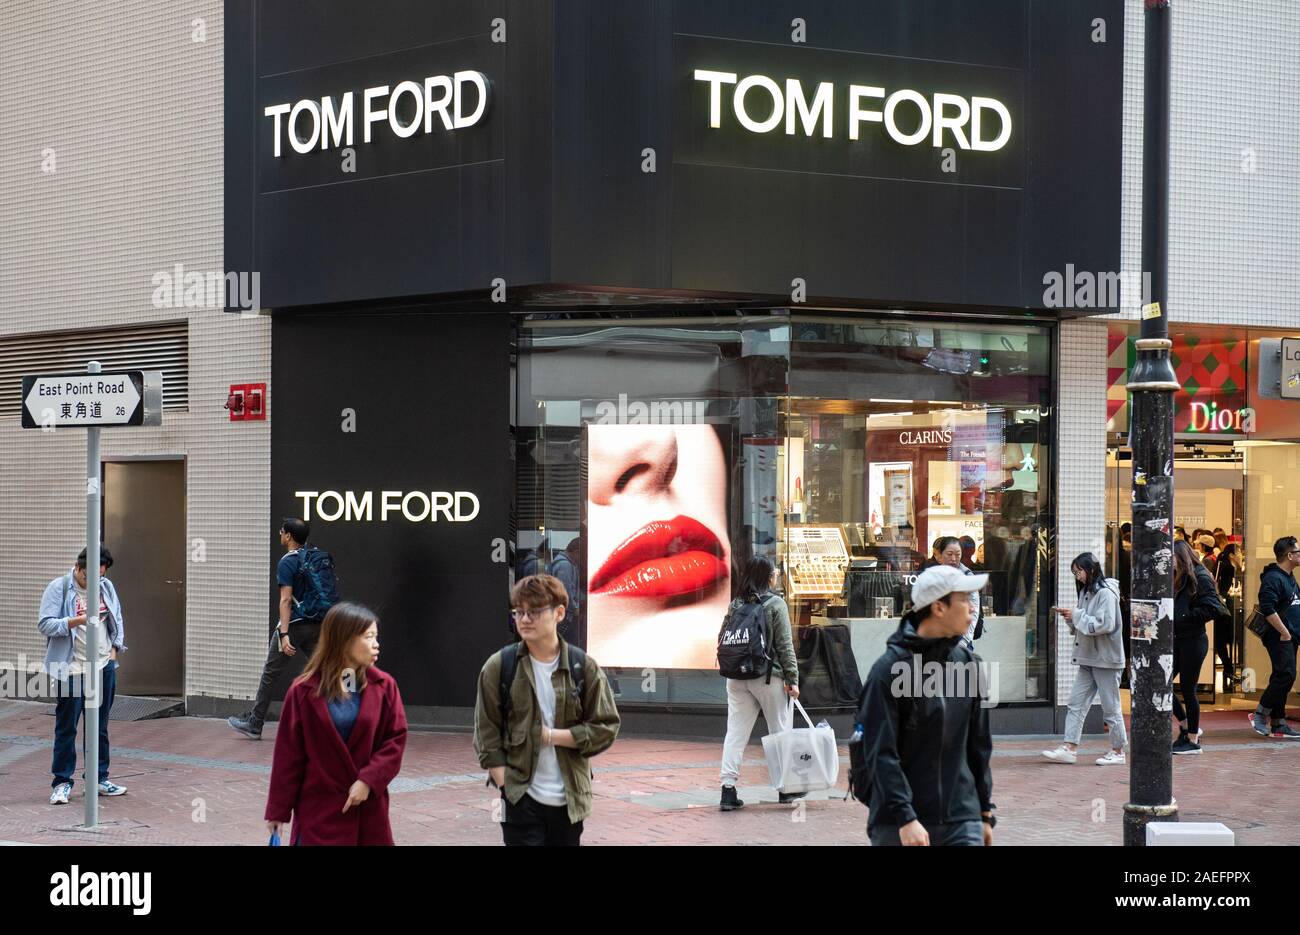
<point>340,740</point>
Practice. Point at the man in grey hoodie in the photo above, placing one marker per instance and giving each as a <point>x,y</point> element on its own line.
<point>1099,654</point>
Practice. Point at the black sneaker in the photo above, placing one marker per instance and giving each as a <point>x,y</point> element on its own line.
<point>246,727</point>
<point>1185,745</point>
<point>730,802</point>
<point>786,798</point>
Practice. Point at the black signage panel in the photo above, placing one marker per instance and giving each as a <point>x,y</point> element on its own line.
<point>393,441</point>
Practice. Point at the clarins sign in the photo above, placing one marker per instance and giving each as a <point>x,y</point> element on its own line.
<point>438,103</point>
<point>762,104</point>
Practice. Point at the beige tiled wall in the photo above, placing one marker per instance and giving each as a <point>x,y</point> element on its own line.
<point>131,106</point>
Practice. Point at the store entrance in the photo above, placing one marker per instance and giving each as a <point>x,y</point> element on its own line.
<point>1209,511</point>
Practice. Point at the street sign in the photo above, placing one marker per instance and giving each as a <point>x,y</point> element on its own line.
<point>89,400</point>
<point>1290,377</point>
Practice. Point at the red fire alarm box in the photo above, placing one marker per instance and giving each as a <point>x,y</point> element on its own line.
<point>247,402</point>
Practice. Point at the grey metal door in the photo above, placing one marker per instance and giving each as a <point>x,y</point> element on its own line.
<point>144,526</point>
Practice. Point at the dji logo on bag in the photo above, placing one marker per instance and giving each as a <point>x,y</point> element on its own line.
<point>805,757</point>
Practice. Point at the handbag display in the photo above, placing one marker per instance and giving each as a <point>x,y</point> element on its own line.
<point>802,759</point>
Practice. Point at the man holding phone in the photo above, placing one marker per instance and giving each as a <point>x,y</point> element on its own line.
<point>63,621</point>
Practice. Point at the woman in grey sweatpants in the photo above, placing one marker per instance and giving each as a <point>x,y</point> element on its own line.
<point>1099,653</point>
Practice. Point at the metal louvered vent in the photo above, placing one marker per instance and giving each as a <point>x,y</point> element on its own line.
<point>164,346</point>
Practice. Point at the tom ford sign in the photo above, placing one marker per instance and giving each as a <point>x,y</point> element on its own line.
<point>760,104</point>
<point>435,103</point>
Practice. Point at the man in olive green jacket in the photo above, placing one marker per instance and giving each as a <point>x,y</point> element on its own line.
<point>539,757</point>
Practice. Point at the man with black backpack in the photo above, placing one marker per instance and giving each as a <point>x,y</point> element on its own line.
<point>921,758</point>
<point>308,589</point>
<point>543,710</point>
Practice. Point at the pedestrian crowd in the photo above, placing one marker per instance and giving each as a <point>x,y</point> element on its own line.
<point>919,757</point>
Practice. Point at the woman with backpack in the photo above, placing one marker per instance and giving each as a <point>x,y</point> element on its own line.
<point>1099,655</point>
<point>340,741</point>
<point>764,687</point>
<point>1196,601</point>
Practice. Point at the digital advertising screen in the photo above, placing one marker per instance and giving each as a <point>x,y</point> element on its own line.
<point>658,551</point>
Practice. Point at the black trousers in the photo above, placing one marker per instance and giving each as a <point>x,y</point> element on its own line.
<point>1282,653</point>
<point>532,824</point>
<point>1189,653</point>
<point>304,637</point>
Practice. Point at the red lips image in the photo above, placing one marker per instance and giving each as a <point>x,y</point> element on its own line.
<point>662,559</point>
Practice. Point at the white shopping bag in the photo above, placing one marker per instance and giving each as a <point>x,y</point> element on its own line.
<point>802,759</point>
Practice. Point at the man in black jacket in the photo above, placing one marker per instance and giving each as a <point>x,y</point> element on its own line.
<point>926,739</point>
<point>1279,601</point>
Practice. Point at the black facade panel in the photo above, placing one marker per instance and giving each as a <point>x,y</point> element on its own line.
<point>382,238</point>
<point>430,396</point>
<point>865,221</point>
<point>552,187</point>
<point>395,216</point>
<point>1076,176</point>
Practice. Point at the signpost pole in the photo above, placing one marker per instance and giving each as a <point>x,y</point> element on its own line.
<point>92,680</point>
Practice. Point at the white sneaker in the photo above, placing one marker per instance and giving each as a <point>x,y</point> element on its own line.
<point>60,794</point>
<point>1061,754</point>
<point>1113,758</point>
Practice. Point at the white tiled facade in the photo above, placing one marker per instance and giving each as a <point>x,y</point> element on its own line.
<point>128,96</point>
<point>1234,221</point>
<point>1081,478</point>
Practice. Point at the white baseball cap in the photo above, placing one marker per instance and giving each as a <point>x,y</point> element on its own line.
<point>938,581</point>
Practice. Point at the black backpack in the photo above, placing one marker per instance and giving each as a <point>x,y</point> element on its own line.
<point>744,643</point>
<point>322,591</point>
<point>860,778</point>
<point>510,663</point>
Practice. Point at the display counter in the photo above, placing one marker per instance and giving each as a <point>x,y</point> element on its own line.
<point>1003,643</point>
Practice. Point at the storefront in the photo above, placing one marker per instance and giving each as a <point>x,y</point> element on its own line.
<point>660,288</point>
<point>840,447</point>
<point>1237,453</point>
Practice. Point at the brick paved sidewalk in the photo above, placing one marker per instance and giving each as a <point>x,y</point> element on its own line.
<point>195,781</point>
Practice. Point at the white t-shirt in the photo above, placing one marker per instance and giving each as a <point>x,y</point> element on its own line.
<point>78,665</point>
<point>547,786</point>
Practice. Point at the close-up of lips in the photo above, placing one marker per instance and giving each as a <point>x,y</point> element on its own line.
<point>664,558</point>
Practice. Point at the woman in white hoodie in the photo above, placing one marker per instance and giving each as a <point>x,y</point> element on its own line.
<point>1099,654</point>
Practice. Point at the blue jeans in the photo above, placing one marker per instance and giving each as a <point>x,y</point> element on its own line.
<point>67,714</point>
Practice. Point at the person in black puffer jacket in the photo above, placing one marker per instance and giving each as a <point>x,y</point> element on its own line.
<point>1196,601</point>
